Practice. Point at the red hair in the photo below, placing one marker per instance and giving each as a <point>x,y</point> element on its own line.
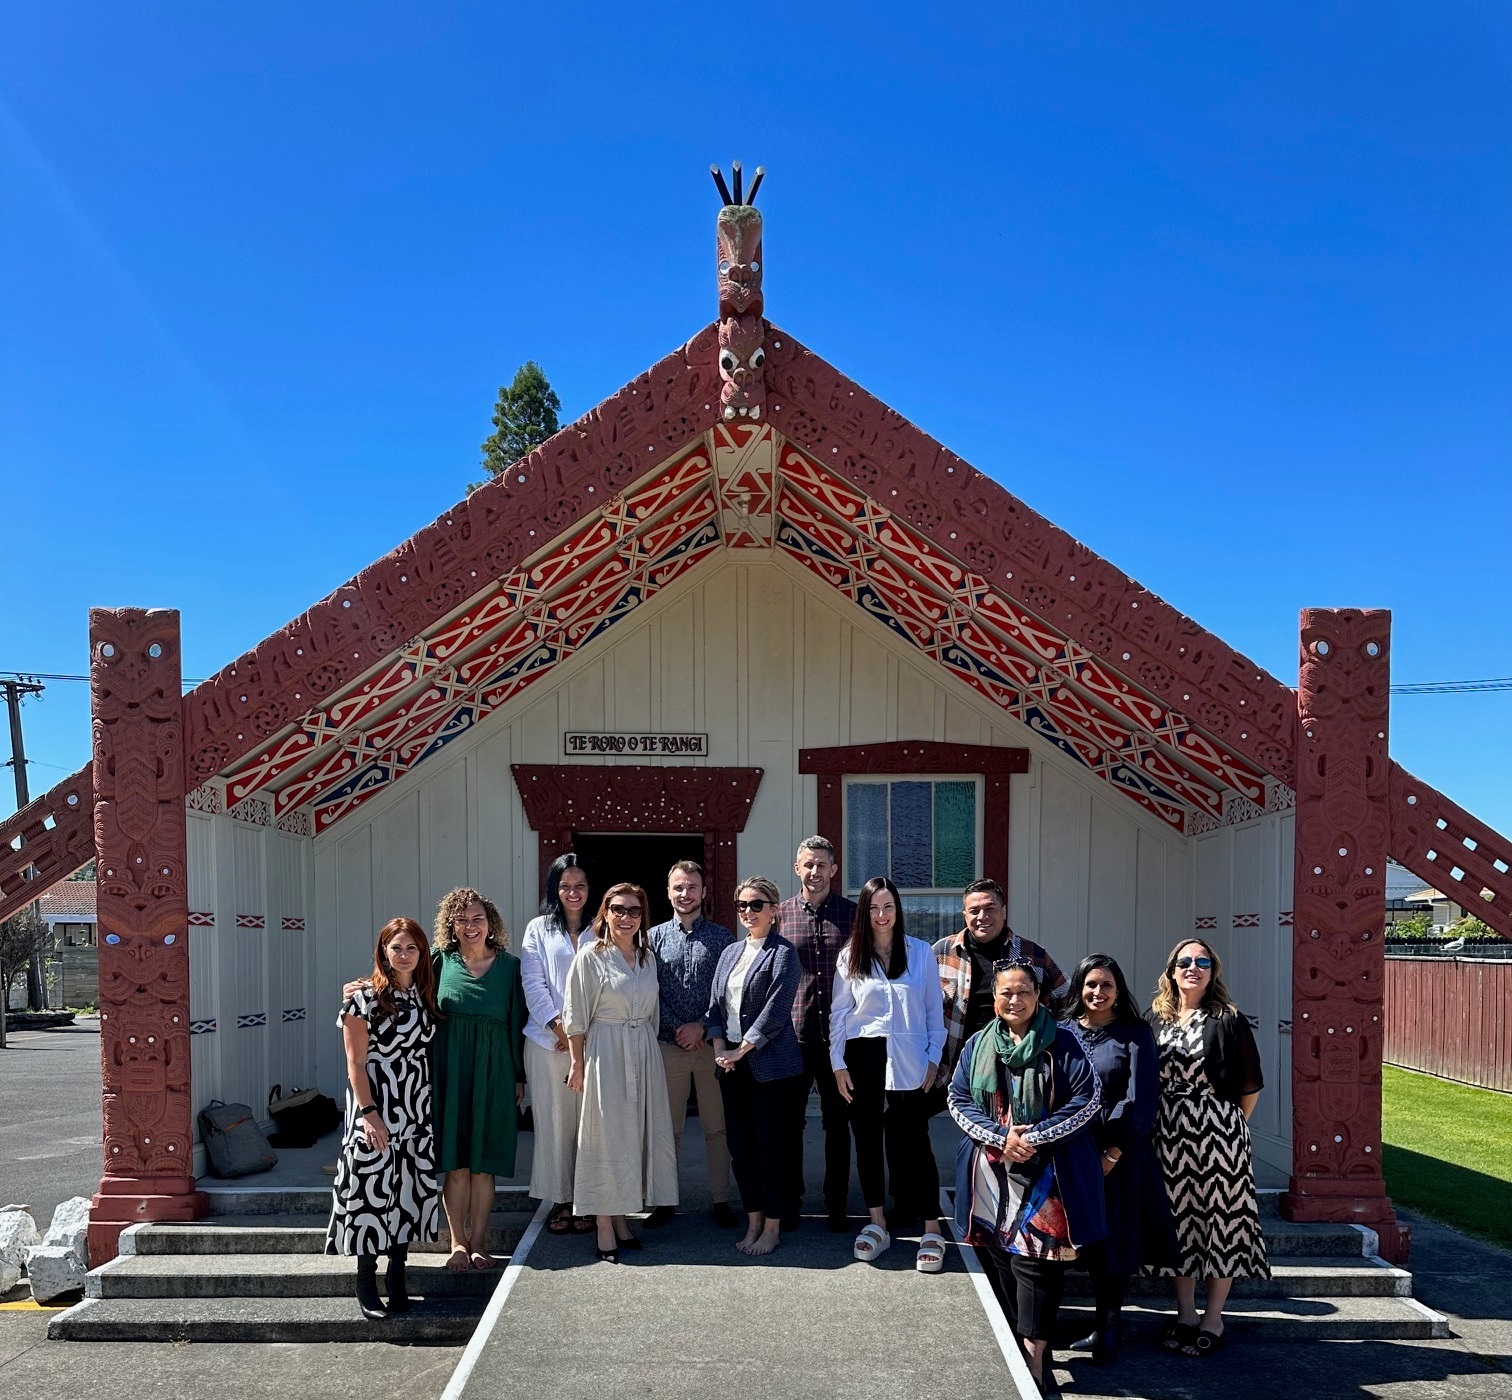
<point>425,974</point>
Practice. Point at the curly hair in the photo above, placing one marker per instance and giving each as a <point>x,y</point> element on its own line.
<point>452,904</point>
<point>1216,1000</point>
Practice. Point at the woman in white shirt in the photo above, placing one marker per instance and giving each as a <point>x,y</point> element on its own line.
<point>546,953</point>
<point>887,1034</point>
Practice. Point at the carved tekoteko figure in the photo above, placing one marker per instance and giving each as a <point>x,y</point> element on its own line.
<point>742,391</point>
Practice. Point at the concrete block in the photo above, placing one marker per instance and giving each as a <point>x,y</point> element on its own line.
<point>54,1270</point>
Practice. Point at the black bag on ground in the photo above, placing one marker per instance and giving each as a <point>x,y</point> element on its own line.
<point>302,1116</point>
<point>234,1144</point>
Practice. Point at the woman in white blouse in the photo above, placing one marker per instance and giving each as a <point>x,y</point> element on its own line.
<point>546,952</point>
<point>887,1034</point>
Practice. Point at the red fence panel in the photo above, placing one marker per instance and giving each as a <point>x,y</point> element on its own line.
<point>1451,1018</point>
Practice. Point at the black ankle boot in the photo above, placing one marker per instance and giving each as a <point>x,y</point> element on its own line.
<point>367,1287</point>
<point>394,1281</point>
<point>1106,1350</point>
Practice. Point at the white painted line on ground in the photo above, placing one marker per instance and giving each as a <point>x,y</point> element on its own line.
<point>490,1319</point>
<point>1008,1344</point>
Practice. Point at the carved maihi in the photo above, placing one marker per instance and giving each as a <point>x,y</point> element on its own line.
<point>742,332</point>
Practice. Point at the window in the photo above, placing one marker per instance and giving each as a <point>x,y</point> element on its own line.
<point>925,833</point>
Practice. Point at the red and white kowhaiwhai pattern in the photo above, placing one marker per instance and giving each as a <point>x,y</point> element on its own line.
<point>740,487</point>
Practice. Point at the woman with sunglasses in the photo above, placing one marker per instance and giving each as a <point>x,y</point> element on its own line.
<point>1099,1008</point>
<point>1209,1083</point>
<point>760,1066</point>
<point>625,1160</point>
<point>1028,1188</point>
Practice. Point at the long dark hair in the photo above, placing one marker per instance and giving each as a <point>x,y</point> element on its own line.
<point>551,905</point>
<point>861,950</point>
<point>424,980</point>
<point>1124,1006</point>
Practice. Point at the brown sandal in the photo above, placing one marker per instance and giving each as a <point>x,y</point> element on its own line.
<point>584,1224</point>
<point>559,1222</point>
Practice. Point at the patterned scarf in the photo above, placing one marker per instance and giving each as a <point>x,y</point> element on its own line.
<point>994,1046</point>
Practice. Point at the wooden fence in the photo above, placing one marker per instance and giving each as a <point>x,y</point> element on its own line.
<point>1452,1018</point>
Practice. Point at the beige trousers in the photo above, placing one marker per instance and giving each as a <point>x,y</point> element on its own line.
<point>695,1068</point>
<point>555,1109</point>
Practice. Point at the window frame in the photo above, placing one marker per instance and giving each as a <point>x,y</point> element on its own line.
<point>851,885</point>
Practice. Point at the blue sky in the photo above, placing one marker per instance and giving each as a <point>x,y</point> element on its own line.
<point>1223,294</point>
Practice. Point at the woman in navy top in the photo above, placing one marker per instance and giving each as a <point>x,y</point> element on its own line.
<point>1121,1047</point>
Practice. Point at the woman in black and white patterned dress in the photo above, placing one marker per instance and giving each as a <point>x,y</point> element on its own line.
<point>1209,1083</point>
<point>385,1194</point>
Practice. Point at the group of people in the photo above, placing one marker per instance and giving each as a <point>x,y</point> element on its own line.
<point>1089,1132</point>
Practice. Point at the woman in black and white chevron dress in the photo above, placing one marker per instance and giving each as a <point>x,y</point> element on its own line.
<point>385,1195</point>
<point>1210,1081</point>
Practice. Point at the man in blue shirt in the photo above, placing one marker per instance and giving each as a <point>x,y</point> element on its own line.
<point>687,949</point>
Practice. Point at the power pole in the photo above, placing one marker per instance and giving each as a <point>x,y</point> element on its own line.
<point>15,689</point>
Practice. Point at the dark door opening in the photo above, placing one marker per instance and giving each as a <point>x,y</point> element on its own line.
<point>614,856</point>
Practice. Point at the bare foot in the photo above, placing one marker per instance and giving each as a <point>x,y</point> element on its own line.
<point>765,1242</point>
<point>458,1262</point>
<point>482,1259</point>
<point>751,1236</point>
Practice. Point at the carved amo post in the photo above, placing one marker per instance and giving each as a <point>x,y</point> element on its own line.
<point>141,847</point>
<point>1338,948</point>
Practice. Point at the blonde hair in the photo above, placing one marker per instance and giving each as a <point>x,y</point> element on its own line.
<point>452,904</point>
<point>602,941</point>
<point>768,890</point>
<point>1215,1000</point>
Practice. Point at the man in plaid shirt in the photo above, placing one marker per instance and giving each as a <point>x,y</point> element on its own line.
<point>966,961</point>
<point>817,922</point>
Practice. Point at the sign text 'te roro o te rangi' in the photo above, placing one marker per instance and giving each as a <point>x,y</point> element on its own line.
<point>635,745</point>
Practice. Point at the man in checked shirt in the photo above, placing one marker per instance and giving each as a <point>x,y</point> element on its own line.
<point>817,922</point>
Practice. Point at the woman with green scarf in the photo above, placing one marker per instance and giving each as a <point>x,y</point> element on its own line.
<point>1028,1185</point>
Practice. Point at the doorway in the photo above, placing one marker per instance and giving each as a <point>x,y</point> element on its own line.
<point>642,859</point>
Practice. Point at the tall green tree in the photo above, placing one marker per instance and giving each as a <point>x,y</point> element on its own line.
<point>523,418</point>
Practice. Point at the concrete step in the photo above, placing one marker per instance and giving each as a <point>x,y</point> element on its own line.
<point>285,1234</point>
<point>1283,1319</point>
<point>233,1199</point>
<point>1290,1278</point>
<point>271,1276</point>
<point>437,1322</point>
<point>1286,1238</point>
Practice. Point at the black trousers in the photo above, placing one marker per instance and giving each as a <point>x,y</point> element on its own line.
<point>1108,1289</point>
<point>1031,1289</point>
<point>895,1121</point>
<point>762,1131</point>
<point>834,1115</point>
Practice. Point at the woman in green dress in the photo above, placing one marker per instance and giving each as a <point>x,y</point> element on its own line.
<point>479,1067</point>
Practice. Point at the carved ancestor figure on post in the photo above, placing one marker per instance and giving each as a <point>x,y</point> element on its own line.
<point>1342,833</point>
<point>141,842</point>
<point>742,355</point>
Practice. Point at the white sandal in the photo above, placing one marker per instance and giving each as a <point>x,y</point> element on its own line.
<point>871,1243</point>
<point>931,1256</point>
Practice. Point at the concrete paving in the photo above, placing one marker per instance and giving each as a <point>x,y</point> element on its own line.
<point>50,1137</point>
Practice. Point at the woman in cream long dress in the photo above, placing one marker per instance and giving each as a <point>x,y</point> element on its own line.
<point>626,1162</point>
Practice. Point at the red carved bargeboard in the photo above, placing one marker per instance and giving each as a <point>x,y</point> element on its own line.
<point>56,837</point>
<point>920,756</point>
<point>1338,951</point>
<point>141,842</point>
<point>560,798</point>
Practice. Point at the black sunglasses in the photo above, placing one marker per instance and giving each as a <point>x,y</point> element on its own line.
<point>751,906</point>
<point>1204,963</point>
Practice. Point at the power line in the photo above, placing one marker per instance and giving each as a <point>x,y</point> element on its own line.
<point>50,676</point>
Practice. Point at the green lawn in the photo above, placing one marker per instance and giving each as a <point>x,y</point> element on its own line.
<point>1448,1152</point>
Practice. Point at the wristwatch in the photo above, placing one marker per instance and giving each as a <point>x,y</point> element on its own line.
<point>371,1108</point>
